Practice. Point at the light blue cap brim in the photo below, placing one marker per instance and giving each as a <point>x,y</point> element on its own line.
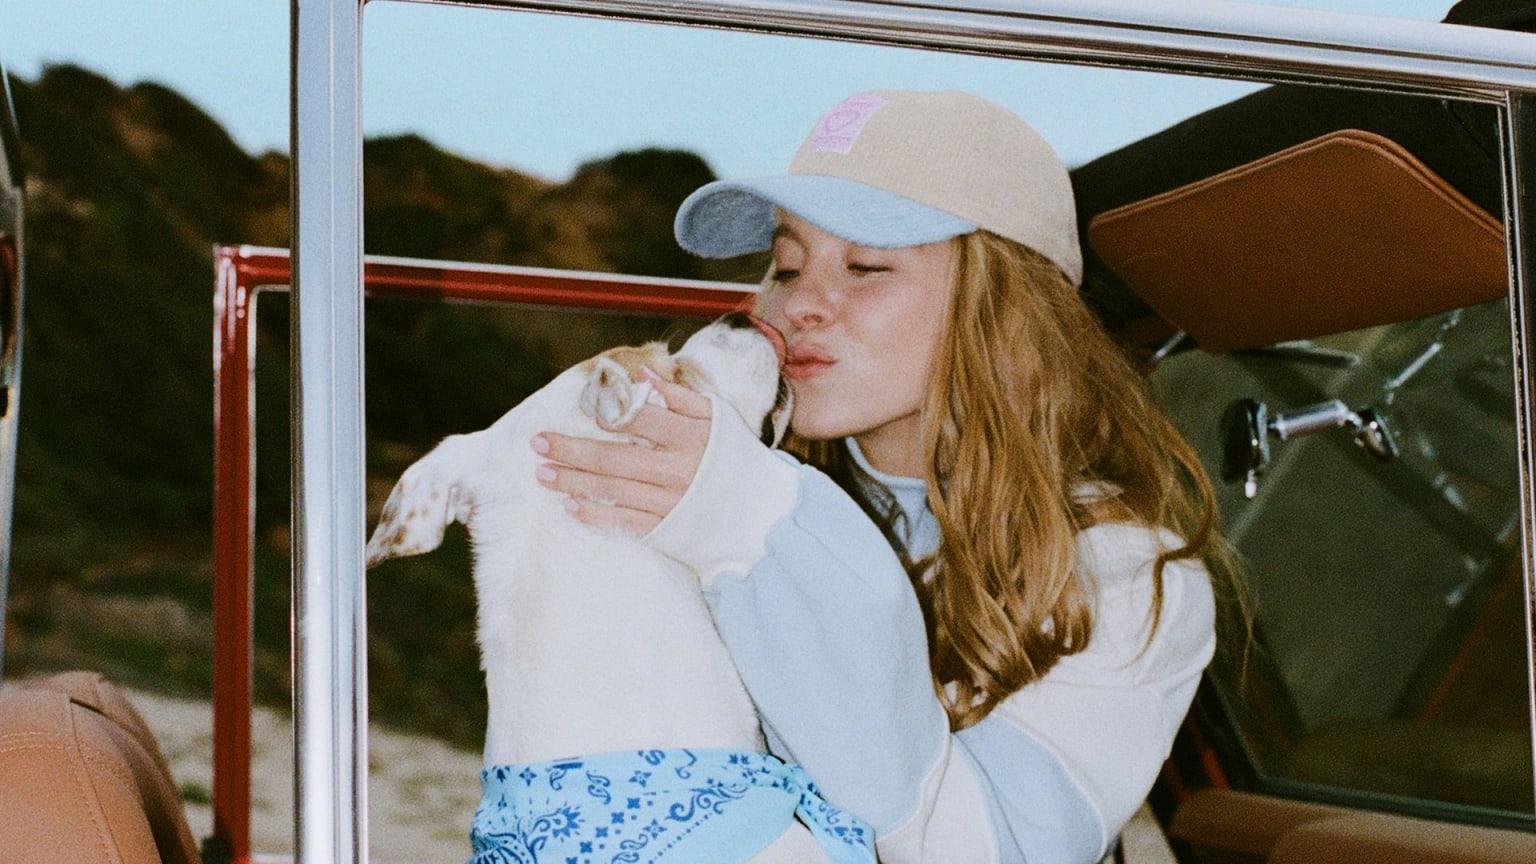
<point>734,217</point>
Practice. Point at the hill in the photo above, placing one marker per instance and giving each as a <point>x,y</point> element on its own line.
<point>128,190</point>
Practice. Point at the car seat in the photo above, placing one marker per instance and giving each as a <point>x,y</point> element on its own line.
<point>82,778</point>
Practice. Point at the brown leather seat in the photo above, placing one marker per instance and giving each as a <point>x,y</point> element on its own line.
<point>82,779</point>
<point>1225,826</point>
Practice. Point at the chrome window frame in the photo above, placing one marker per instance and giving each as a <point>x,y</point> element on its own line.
<point>1199,36</point>
<point>12,223</point>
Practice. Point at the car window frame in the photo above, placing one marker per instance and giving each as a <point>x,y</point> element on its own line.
<point>1260,43</point>
<point>12,292</point>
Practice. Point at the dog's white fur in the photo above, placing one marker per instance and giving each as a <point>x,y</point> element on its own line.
<point>591,642</point>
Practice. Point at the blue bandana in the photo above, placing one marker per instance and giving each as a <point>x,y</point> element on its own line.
<point>654,806</point>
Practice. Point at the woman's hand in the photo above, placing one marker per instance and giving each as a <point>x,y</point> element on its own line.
<point>631,486</point>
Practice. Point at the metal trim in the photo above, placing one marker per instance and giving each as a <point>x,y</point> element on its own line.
<point>1249,40</point>
<point>1198,36</point>
<point>330,677</point>
<point>234,464</point>
<point>1519,126</point>
<point>12,253</point>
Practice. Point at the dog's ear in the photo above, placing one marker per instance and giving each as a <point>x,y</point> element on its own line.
<point>610,397</point>
<point>427,497</point>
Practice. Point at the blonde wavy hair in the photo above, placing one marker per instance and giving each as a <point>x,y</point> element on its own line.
<point>1036,426</point>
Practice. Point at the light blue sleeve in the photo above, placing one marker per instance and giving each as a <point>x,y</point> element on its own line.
<point>828,637</point>
<point>825,628</point>
<point>1039,814</point>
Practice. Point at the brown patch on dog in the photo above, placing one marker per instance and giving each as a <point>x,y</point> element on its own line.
<point>636,357</point>
<point>655,356</point>
<point>691,375</point>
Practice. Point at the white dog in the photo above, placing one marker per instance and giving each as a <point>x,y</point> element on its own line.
<point>601,661</point>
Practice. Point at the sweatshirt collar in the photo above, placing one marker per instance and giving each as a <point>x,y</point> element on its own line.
<point>921,533</point>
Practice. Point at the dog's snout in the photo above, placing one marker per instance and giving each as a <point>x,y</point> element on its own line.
<point>743,321</point>
<point>737,320</point>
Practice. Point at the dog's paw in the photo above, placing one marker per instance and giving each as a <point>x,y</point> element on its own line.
<point>610,396</point>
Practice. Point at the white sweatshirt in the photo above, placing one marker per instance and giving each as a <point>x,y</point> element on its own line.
<point>826,632</point>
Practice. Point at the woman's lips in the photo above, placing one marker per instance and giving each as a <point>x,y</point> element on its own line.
<point>801,363</point>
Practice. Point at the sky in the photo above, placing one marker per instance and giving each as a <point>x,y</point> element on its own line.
<point>543,93</point>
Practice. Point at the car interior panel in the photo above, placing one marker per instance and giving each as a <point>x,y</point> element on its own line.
<point>1254,255</point>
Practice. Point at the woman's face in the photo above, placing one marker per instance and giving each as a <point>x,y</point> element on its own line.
<point>862,327</point>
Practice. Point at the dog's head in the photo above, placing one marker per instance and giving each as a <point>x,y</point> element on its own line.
<point>736,358</point>
<point>733,358</point>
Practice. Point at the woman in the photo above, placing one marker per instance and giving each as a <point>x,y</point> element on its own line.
<point>983,635</point>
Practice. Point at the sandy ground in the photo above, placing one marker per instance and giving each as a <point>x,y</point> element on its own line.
<point>421,792</point>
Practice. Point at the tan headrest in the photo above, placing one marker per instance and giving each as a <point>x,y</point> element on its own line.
<point>1345,231</point>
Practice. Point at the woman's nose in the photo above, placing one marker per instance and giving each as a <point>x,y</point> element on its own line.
<point>810,300</point>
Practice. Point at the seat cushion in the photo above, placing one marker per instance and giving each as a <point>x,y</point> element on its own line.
<point>82,778</point>
<point>1381,838</point>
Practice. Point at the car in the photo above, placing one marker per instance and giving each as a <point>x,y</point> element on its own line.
<point>1326,281</point>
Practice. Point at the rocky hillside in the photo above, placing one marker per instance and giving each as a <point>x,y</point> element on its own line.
<point>128,191</point>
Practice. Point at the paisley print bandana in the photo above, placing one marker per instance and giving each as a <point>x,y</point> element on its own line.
<point>654,807</point>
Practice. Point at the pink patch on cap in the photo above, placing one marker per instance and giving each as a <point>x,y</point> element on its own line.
<point>837,129</point>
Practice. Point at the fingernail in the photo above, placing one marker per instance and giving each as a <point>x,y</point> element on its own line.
<point>545,474</point>
<point>571,505</point>
<point>540,444</point>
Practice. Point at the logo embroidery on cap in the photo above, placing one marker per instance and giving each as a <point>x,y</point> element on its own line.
<point>837,129</point>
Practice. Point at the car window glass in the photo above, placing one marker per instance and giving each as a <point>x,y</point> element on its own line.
<point>1390,655</point>
<point>557,91</point>
<point>1389,659</point>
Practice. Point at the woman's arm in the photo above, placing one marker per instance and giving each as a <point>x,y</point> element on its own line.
<point>1102,721</point>
<point>827,634</point>
<point>825,629</point>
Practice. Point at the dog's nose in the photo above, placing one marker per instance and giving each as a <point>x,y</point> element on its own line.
<point>780,347</point>
<point>737,320</point>
<point>741,320</point>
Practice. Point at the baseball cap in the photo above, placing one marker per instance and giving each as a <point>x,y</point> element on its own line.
<point>897,168</point>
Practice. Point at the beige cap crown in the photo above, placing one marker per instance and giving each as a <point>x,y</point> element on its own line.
<point>894,168</point>
<point>958,153</point>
